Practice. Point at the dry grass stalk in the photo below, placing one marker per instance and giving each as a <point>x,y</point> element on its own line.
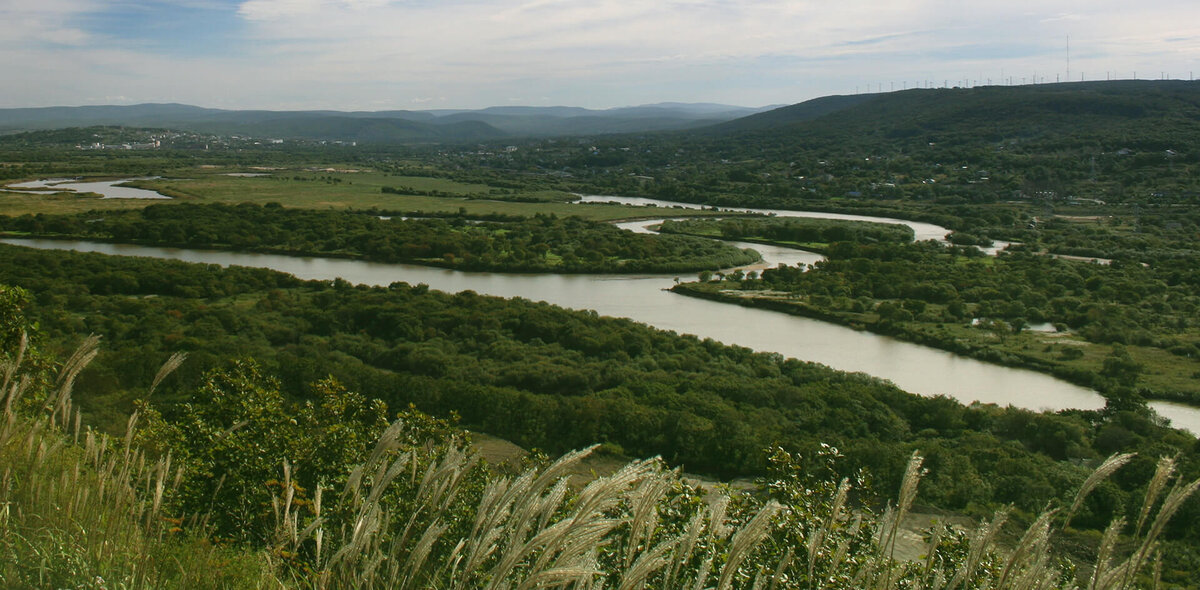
<point>1029,555</point>
<point>1162,474</point>
<point>11,367</point>
<point>1106,469</point>
<point>981,541</point>
<point>1171,504</point>
<point>745,540</point>
<point>1103,568</point>
<point>83,355</point>
<point>168,367</point>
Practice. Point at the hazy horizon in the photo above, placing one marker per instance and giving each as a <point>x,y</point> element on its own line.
<point>373,55</point>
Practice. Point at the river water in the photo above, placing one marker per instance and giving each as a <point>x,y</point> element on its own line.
<point>645,298</point>
<point>107,188</point>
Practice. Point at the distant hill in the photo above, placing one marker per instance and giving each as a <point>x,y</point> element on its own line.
<point>360,129</point>
<point>805,111</point>
<point>1138,114</point>
<point>397,126</point>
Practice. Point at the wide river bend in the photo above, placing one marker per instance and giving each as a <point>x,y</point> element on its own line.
<point>645,298</point>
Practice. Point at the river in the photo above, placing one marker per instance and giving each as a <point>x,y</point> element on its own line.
<point>645,298</point>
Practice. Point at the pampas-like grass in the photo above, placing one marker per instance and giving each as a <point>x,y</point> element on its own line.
<point>1106,469</point>
<point>422,517</point>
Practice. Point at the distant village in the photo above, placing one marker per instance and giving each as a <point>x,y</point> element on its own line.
<point>184,140</point>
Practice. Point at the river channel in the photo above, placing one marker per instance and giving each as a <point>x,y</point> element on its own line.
<point>645,298</point>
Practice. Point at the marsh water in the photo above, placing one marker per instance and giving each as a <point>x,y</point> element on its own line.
<point>645,298</point>
<point>109,189</point>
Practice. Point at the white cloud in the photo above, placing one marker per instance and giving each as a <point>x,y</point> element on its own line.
<point>43,22</point>
<point>360,53</point>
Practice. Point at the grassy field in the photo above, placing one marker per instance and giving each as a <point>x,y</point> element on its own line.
<point>15,204</point>
<point>328,190</point>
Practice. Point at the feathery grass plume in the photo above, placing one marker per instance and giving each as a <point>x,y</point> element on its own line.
<point>566,541</point>
<point>705,570</point>
<point>438,487</point>
<point>981,541</point>
<point>1103,472</point>
<point>418,555</point>
<point>745,540</point>
<point>526,505</point>
<point>1157,570</point>
<point>1171,504</point>
<point>1103,568</point>
<point>560,577</point>
<point>1162,474</point>
<point>716,517</point>
<point>83,355</point>
<point>645,498</point>
<point>817,536</point>
<point>1030,552</point>
<point>11,367</point>
<point>931,556</point>
<point>166,369</point>
<point>648,562</point>
<point>843,548</point>
<point>684,550</point>
<point>781,568</point>
<point>487,528</point>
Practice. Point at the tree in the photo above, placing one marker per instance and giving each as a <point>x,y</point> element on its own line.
<point>233,438</point>
<point>1120,367</point>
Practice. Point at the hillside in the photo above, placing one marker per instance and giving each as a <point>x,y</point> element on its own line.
<point>1131,114</point>
<point>394,126</point>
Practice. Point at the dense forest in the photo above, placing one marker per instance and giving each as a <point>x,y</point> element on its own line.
<point>1094,315</point>
<point>541,244</point>
<point>809,234</point>
<point>556,379</point>
<point>417,509</point>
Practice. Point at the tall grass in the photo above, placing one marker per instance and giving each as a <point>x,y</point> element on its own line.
<point>643,527</point>
<point>82,510</point>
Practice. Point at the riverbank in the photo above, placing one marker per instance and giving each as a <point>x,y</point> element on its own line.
<point>933,336</point>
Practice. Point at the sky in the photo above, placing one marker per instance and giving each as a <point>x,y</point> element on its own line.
<point>429,54</point>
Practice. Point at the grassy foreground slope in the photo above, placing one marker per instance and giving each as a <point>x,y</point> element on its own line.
<point>353,501</point>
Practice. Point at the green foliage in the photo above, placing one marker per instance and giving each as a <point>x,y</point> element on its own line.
<point>238,431</point>
<point>81,510</point>
<point>929,292</point>
<point>546,377</point>
<point>791,230</point>
<point>545,243</point>
<point>417,502</point>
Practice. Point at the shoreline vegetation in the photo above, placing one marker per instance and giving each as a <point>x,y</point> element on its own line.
<point>895,292</point>
<point>544,243</point>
